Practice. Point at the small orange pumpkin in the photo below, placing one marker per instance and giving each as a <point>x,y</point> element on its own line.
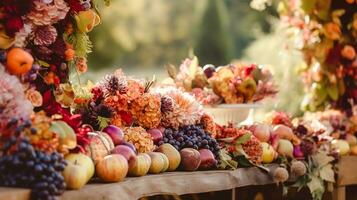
<point>18,61</point>
<point>112,168</point>
<point>100,145</point>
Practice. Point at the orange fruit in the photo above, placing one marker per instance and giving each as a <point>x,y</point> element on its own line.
<point>18,61</point>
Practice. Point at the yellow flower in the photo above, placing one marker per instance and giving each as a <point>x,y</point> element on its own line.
<point>332,31</point>
<point>348,52</point>
<point>34,97</point>
<point>86,20</point>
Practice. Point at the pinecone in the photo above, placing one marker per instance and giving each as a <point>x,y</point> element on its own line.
<point>114,84</point>
<point>146,110</point>
<point>44,14</point>
<point>186,110</point>
<point>253,148</point>
<point>45,35</point>
<point>139,138</point>
<point>209,125</point>
<point>167,104</point>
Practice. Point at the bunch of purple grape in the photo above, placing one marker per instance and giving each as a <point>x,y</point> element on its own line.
<point>192,136</point>
<point>23,166</point>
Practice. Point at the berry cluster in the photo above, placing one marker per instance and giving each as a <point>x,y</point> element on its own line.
<point>23,166</point>
<point>192,136</point>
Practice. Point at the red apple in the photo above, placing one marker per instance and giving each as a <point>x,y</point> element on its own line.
<point>132,147</point>
<point>162,129</point>
<point>156,135</point>
<point>207,159</point>
<point>125,151</point>
<point>115,133</point>
<point>190,159</point>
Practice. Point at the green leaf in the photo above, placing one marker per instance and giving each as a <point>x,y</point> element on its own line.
<point>103,122</point>
<point>332,91</point>
<point>321,159</point>
<point>327,173</point>
<point>66,134</point>
<point>243,161</point>
<point>244,138</point>
<point>43,63</point>
<point>316,185</point>
<point>320,94</point>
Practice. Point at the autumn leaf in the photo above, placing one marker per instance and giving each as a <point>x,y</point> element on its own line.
<point>321,159</point>
<point>327,173</point>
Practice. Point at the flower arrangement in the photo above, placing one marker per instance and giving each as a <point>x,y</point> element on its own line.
<point>40,43</point>
<point>231,84</point>
<point>325,31</point>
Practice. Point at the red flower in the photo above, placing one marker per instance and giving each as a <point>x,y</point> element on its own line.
<point>75,6</point>
<point>249,69</point>
<point>126,117</point>
<point>13,25</point>
<point>52,107</point>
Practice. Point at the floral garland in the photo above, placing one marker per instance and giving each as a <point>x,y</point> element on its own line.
<point>326,33</point>
<point>232,84</point>
<point>41,42</point>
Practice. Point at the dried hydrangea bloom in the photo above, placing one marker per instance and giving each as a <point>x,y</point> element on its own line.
<point>13,102</point>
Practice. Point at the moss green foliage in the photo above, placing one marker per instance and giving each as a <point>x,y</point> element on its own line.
<point>81,43</point>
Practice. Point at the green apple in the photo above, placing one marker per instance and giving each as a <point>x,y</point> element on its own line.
<point>75,176</point>
<point>84,161</point>
<point>342,146</point>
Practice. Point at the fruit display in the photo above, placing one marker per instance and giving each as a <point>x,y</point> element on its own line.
<point>58,133</point>
<point>241,144</point>
<point>190,137</point>
<point>40,171</point>
<point>231,84</point>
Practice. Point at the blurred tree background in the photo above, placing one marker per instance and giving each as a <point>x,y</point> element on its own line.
<point>151,33</point>
<point>141,36</point>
